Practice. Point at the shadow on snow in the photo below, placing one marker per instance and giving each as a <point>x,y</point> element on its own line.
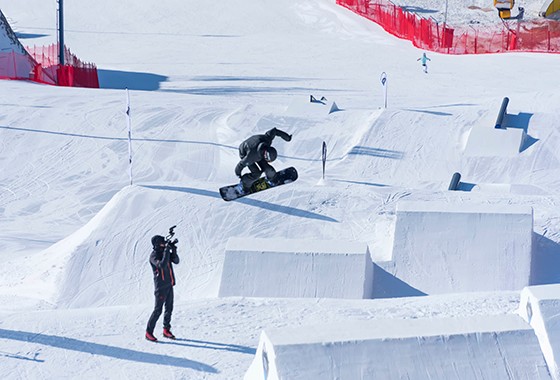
<point>545,261</point>
<point>387,285</point>
<point>250,202</point>
<point>119,80</point>
<point>117,138</point>
<point>376,152</point>
<point>104,350</point>
<point>212,345</point>
<point>22,36</point>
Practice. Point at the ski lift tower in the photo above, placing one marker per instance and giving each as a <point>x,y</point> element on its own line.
<point>60,24</point>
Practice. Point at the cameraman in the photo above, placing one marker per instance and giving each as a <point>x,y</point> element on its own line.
<point>163,256</point>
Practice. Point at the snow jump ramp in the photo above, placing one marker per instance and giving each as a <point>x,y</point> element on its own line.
<point>450,248</point>
<point>296,268</point>
<point>481,347</point>
<point>540,307</point>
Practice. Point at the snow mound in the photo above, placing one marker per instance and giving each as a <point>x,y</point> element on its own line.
<point>55,279</point>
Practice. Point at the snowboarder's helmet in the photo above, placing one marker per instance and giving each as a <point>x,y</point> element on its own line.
<point>269,154</point>
<point>157,240</point>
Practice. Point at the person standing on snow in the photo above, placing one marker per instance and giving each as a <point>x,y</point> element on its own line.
<point>424,58</point>
<point>162,258</point>
<point>256,152</point>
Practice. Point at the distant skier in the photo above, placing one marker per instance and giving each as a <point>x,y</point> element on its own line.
<point>256,152</point>
<point>424,59</point>
<point>162,258</point>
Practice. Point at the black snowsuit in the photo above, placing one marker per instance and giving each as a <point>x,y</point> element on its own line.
<point>162,260</point>
<point>251,154</point>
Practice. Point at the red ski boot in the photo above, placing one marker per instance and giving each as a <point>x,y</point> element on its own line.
<point>168,334</point>
<point>150,337</point>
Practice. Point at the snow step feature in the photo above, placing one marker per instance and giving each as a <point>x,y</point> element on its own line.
<point>296,268</point>
<point>485,141</point>
<point>313,106</point>
<point>500,141</point>
<point>540,307</point>
<point>449,248</point>
<point>478,347</point>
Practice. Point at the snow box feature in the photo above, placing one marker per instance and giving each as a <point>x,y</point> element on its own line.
<point>478,347</point>
<point>540,307</point>
<point>450,248</point>
<point>296,268</point>
<point>487,141</point>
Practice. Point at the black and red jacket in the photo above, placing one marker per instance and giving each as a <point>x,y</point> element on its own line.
<point>162,261</point>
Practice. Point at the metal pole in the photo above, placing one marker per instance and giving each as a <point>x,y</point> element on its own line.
<point>61,32</point>
<point>502,113</point>
<point>444,24</point>
<point>455,180</point>
<point>324,157</point>
<point>383,80</point>
<point>129,127</point>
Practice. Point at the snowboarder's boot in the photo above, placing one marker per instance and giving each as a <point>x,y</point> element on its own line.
<point>150,337</point>
<point>168,334</point>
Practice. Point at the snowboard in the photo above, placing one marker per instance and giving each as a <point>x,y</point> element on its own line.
<point>231,192</point>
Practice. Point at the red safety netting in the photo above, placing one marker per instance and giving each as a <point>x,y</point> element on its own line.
<point>40,64</point>
<point>74,73</point>
<point>536,36</point>
<point>14,65</point>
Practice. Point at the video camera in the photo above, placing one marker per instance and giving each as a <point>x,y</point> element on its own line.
<point>170,236</point>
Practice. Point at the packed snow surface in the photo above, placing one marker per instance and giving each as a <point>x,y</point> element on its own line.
<point>76,289</point>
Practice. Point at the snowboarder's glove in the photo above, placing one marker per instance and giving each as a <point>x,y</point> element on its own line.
<point>289,138</point>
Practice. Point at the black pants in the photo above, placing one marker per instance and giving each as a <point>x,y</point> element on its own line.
<point>163,297</point>
<point>256,170</point>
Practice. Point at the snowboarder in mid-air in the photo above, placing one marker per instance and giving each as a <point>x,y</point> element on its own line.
<point>424,59</point>
<point>256,152</point>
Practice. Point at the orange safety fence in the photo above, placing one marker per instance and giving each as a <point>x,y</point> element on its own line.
<point>533,36</point>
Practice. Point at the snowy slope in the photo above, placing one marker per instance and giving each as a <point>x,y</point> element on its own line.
<point>203,76</point>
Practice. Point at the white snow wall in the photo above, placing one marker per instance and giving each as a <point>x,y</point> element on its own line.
<point>481,347</point>
<point>296,268</point>
<point>451,248</point>
<point>540,307</point>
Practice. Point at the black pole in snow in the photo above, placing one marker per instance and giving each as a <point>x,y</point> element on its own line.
<point>60,32</point>
<point>455,180</point>
<point>324,157</point>
<point>502,113</point>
